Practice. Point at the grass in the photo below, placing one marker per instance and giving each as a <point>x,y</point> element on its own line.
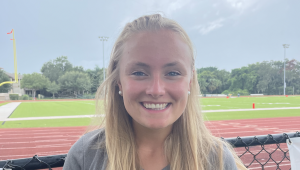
<point>80,107</point>
<point>251,114</point>
<point>1,104</point>
<point>56,108</point>
<point>246,103</point>
<point>46,123</point>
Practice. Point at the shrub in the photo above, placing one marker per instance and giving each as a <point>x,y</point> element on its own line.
<point>14,96</point>
<point>25,97</point>
<point>86,96</point>
<point>235,92</point>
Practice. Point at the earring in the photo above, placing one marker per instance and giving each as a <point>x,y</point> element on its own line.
<point>120,93</point>
<point>189,92</point>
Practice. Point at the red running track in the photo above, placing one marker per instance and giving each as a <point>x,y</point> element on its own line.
<point>27,142</point>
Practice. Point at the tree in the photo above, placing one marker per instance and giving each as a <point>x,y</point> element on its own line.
<point>56,68</point>
<point>78,69</point>
<point>74,82</point>
<point>208,82</point>
<point>84,84</point>
<point>264,77</point>
<point>5,87</point>
<point>213,84</point>
<point>53,88</point>
<point>96,77</point>
<point>34,82</point>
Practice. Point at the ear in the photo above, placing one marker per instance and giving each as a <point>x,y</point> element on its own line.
<point>120,86</point>
<point>192,76</point>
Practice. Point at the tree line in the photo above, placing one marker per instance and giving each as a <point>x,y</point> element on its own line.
<point>259,78</point>
<point>59,77</point>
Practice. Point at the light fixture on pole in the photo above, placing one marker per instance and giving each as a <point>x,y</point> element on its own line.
<point>103,39</point>
<point>284,84</point>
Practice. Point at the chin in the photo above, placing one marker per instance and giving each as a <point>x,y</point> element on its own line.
<point>156,125</point>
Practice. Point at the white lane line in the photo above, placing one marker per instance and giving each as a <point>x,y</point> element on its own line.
<point>37,141</point>
<point>61,129</point>
<point>39,147</point>
<point>236,110</point>
<point>50,117</point>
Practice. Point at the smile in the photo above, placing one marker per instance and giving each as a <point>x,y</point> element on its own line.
<point>153,106</point>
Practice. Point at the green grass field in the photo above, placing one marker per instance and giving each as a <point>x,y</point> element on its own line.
<point>246,102</point>
<point>67,108</point>
<point>251,114</point>
<point>1,104</point>
<point>55,108</point>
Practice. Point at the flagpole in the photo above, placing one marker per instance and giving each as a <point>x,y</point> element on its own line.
<point>15,57</point>
<point>15,61</point>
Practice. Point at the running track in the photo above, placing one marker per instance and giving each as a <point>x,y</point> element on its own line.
<point>27,142</point>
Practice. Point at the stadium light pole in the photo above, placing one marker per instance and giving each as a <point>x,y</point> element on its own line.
<point>284,84</point>
<point>103,39</point>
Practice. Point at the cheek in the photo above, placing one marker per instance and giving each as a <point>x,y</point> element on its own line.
<point>131,93</point>
<point>132,88</point>
<point>179,92</point>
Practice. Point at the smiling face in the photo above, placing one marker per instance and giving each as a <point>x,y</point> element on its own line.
<point>155,76</point>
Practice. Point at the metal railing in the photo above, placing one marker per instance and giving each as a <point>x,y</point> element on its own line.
<point>250,147</point>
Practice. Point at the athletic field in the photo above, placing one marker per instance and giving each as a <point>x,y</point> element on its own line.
<point>87,107</point>
<point>224,118</point>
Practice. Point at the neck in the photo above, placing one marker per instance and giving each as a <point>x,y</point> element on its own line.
<point>150,139</point>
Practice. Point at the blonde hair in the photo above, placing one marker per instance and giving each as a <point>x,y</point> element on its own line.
<point>190,146</point>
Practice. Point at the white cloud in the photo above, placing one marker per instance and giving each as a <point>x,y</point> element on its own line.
<point>165,7</point>
<point>242,5</point>
<point>205,29</point>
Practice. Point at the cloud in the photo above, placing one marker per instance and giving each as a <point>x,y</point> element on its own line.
<point>166,8</point>
<point>241,5</point>
<point>217,14</point>
<point>205,29</point>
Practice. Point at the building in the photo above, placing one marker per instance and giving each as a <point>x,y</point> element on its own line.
<point>16,87</point>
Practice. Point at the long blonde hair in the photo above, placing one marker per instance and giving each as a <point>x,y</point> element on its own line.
<point>190,146</point>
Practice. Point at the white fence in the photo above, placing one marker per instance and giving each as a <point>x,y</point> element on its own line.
<point>213,95</point>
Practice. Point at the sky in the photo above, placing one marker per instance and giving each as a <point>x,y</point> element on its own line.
<point>226,34</point>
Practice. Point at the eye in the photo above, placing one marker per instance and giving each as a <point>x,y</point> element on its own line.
<point>173,73</point>
<point>138,73</point>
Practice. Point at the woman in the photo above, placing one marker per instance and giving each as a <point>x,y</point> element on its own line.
<point>152,112</point>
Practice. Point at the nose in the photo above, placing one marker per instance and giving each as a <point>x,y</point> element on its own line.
<point>156,87</point>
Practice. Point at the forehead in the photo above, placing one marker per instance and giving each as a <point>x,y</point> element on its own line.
<point>156,47</point>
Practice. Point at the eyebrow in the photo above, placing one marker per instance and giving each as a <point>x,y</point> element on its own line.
<point>166,65</point>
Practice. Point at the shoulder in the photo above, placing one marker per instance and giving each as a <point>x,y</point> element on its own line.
<point>225,154</point>
<point>93,138</point>
<point>90,141</point>
<point>86,150</point>
<point>228,159</point>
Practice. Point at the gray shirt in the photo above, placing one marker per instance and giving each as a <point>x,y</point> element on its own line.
<point>83,155</point>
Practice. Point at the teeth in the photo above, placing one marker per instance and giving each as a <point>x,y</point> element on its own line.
<point>155,106</point>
